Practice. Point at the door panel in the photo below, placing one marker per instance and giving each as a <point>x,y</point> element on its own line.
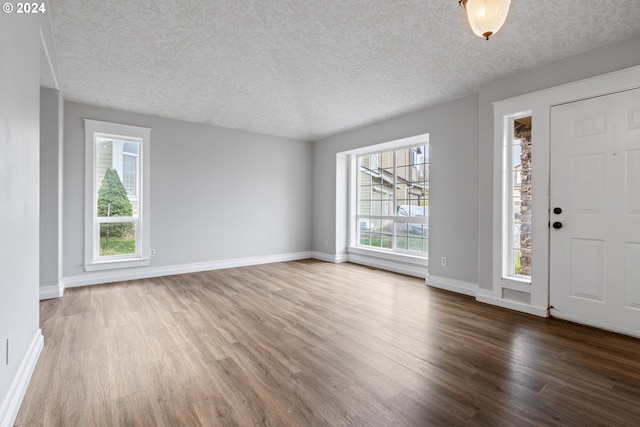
<point>632,183</point>
<point>632,275</point>
<point>633,117</point>
<point>587,260</point>
<point>595,179</point>
<point>587,184</point>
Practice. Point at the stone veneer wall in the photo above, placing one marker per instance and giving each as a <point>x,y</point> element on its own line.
<point>524,134</point>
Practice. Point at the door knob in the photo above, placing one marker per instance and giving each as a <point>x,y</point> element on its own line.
<point>557,211</point>
<point>557,225</point>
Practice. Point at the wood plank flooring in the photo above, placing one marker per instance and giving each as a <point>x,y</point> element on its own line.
<point>308,343</point>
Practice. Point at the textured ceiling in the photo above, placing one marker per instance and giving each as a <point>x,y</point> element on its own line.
<point>308,69</point>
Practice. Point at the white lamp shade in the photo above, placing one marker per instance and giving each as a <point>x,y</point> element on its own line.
<point>487,16</point>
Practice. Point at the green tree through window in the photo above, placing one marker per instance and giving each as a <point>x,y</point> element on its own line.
<point>113,201</point>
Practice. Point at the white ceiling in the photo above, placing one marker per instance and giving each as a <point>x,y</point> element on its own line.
<point>307,69</point>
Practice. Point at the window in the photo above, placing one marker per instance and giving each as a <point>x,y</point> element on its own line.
<point>393,200</point>
<point>516,252</point>
<point>116,204</point>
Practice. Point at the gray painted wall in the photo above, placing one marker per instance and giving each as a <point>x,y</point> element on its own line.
<point>461,193</point>
<point>617,56</point>
<point>216,194</point>
<point>453,194</point>
<point>19,191</point>
<point>51,137</point>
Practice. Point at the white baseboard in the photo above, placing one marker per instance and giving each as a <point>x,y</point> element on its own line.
<point>336,259</point>
<point>488,297</point>
<point>483,296</point>
<point>53,291</point>
<point>452,285</point>
<point>341,258</point>
<point>13,400</point>
<point>415,270</point>
<point>111,276</point>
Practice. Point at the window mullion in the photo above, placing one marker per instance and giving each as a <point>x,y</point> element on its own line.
<point>116,219</point>
<point>395,199</point>
<point>358,192</point>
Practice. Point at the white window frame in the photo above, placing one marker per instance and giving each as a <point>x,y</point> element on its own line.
<point>407,263</point>
<point>93,261</point>
<point>396,219</point>
<point>507,258</point>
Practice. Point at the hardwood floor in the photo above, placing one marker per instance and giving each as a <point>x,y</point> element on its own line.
<point>310,343</point>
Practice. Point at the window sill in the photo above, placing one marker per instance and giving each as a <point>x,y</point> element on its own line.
<point>390,256</point>
<point>519,278</point>
<point>517,283</point>
<point>114,264</point>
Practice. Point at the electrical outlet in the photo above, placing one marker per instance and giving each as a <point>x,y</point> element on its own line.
<point>153,252</point>
<point>8,353</point>
<point>443,261</point>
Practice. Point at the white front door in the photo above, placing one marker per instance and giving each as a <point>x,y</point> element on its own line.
<point>595,239</point>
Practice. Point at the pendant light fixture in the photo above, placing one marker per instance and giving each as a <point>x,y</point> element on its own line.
<point>486,16</point>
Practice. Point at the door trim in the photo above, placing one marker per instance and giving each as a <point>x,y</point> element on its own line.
<point>539,105</point>
<point>593,262</point>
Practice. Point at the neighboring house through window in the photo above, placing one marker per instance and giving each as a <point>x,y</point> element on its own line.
<point>130,169</point>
